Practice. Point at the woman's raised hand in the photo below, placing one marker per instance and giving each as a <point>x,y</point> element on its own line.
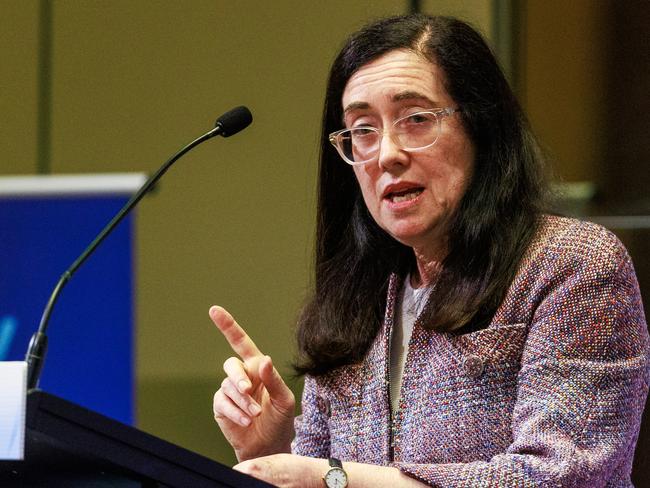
<point>254,407</point>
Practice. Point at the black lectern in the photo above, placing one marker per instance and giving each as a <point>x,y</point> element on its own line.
<point>70,446</point>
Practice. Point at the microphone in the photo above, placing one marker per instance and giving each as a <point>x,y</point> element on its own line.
<point>228,124</point>
<point>234,121</point>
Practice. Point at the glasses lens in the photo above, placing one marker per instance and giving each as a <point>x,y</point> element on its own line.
<point>359,145</point>
<point>417,130</point>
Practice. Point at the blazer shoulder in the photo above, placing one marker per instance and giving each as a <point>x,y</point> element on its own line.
<point>576,242</point>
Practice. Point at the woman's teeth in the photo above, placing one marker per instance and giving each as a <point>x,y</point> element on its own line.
<point>405,196</point>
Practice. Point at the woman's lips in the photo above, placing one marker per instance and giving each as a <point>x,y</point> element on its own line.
<point>398,197</point>
<point>403,199</point>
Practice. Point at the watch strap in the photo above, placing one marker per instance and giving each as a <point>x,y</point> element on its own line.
<point>335,463</point>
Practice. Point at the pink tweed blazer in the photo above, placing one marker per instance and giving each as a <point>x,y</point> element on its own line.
<point>549,394</point>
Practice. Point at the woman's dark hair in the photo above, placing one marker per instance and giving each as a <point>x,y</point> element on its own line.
<point>489,232</point>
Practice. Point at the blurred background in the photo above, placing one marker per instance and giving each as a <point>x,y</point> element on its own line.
<point>118,86</point>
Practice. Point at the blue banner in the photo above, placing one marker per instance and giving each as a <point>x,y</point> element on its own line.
<point>90,354</point>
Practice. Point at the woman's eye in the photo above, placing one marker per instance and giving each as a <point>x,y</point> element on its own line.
<point>417,119</point>
<point>362,131</point>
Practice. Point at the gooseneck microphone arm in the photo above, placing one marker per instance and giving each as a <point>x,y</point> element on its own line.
<point>228,124</point>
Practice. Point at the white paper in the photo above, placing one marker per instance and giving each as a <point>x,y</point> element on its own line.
<point>13,398</point>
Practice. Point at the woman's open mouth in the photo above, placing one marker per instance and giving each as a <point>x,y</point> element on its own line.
<point>403,196</point>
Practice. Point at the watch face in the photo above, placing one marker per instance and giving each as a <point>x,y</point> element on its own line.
<point>336,478</point>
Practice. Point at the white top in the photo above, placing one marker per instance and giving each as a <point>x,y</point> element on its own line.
<point>13,384</point>
<point>70,184</point>
<point>409,308</point>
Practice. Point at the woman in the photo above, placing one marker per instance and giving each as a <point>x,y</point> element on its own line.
<point>457,336</point>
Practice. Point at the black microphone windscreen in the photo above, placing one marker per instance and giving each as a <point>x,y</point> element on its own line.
<point>234,120</point>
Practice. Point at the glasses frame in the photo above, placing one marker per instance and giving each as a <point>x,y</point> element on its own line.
<point>336,140</point>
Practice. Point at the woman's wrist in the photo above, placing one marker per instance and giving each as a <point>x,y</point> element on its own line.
<point>370,475</point>
<point>245,454</point>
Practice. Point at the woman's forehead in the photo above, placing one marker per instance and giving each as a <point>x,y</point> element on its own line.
<point>394,77</point>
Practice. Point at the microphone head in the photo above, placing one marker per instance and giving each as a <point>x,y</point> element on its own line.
<point>234,120</point>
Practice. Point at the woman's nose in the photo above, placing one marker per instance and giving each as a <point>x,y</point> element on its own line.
<point>390,153</point>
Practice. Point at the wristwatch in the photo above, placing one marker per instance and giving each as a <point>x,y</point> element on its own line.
<point>335,477</point>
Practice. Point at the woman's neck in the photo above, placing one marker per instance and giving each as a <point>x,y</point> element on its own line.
<point>427,266</point>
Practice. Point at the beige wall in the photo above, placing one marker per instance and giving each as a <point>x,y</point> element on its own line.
<point>232,222</point>
<point>18,85</point>
<point>477,12</point>
<point>562,87</point>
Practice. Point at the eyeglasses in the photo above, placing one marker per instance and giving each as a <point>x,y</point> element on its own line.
<point>413,132</point>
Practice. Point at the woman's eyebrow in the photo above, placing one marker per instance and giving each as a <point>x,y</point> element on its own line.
<point>398,97</point>
<point>356,106</point>
<point>412,95</point>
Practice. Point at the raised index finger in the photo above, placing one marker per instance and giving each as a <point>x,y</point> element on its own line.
<point>234,334</point>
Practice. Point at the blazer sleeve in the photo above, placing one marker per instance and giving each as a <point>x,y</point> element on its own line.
<point>581,387</point>
<point>312,432</point>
